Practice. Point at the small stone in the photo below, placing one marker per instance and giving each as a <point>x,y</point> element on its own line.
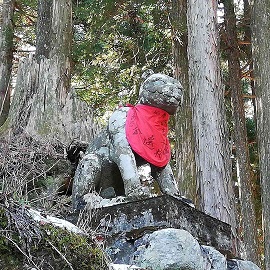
<point>216,260</point>
<point>246,265</point>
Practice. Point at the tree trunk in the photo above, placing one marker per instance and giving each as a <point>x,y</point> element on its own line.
<point>261,53</point>
<point>248,47</point>
<point>6,55</point>
<point>44,37</point>
<point>43,104</point>
<point>185,160</point>
<point>248,217</point>
<point>212,154</point>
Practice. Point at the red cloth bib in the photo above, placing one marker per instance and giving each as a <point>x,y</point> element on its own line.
<point>146,132</point>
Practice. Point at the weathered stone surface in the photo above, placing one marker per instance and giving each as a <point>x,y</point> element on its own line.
<point>170,249</point>
<point>111,151</point>
<point>214,259</point>
<point>174,249</point>
<point>232,265</point>
<point>235,264</point>
<point>134,219</point>
<point>121,251</point>
<point>164,233</point>
<point>159,90</point>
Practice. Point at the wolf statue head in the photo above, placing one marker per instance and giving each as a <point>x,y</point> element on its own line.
<point>161,91</point>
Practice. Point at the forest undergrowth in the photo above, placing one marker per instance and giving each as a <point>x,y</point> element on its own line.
<point>37,175</point>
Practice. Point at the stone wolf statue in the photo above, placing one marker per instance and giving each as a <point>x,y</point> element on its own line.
<point>135,135</point>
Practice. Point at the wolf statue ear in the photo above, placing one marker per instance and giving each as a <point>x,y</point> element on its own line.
<point>147,73</point>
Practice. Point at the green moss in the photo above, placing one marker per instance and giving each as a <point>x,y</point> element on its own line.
<point>11,258</point>
<point>56,249</point>
<point>78,250</point>
<point>10,261</point>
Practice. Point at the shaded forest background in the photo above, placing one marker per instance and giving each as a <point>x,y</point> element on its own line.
<point>64,67</point>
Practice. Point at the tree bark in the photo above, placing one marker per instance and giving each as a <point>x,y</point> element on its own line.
<point>248,48</point>
<point>43,104</point>
<point>261,54</point>
<point>212,153</point>
<point>185,160</point>
<point>248,217</point>
<point>44,29</point>
<point>6,55</point>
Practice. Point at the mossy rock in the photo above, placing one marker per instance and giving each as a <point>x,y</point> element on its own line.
<point>45,246</point>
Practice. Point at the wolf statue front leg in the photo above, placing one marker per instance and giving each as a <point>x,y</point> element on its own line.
<point>122,154</point>
<point>166,181</point>
<point>86,178</point>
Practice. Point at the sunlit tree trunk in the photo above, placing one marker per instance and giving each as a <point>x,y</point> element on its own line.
<point>212,155</point>
<point>248,47</point>
<point>6,55</point>
<point>248,217</point>
<point>185,160</point>
<point>261,53</point>
<point>54,37</point>
<point>43,104</point>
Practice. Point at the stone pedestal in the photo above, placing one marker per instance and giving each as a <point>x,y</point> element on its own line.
<point>132,220</point>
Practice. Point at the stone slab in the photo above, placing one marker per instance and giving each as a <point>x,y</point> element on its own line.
<point>133,219</point>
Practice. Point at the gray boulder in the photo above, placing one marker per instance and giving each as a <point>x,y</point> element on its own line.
<point>175,249</point>
<point>170,249</point>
